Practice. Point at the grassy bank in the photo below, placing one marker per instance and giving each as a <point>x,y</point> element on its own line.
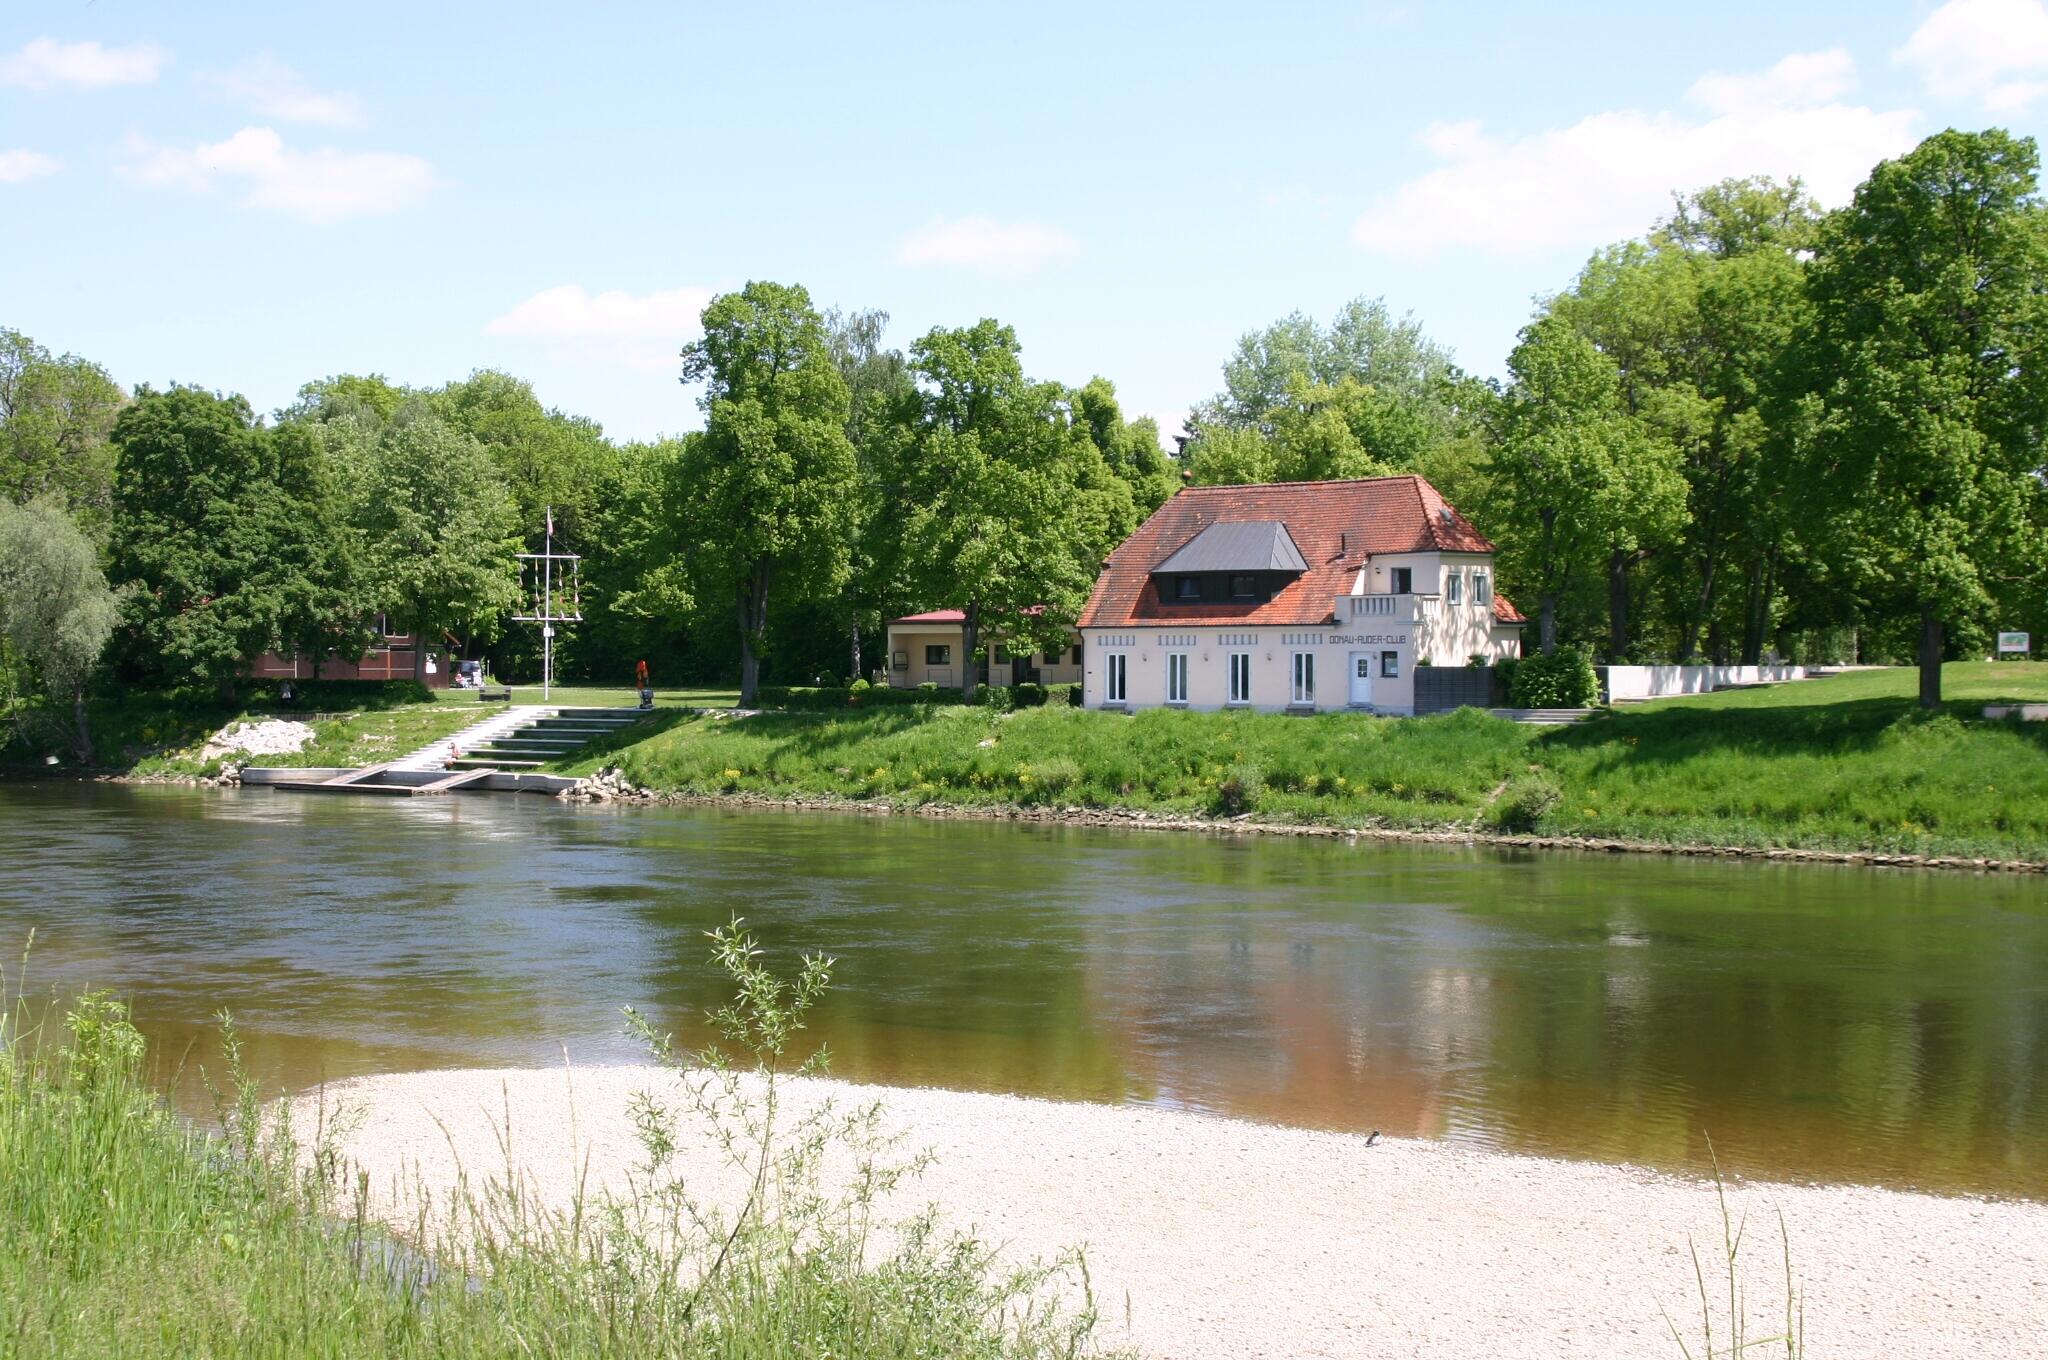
<point>1848,764</point>
<point>125,1231</point>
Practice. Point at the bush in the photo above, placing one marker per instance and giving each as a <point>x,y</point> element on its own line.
<point>1063,695</point>
<point>1565,680</point>
<point>827,698</point>
<point>1239,792</point>
<point>1526,801</point>
<point>1029,694</point>
<point>999,698</point>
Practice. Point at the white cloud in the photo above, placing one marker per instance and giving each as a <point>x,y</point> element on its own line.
<point>325,185</point>
<point>984,243</point>
<point>1800,79</point>
<point>275,90</point>
<point>640,331</point>
<point>1611,174</point>
<point>18,167</point>
<point>46,63</point>
<point>1968,48</point>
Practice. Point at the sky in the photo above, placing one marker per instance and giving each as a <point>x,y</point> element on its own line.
<point>250,197</point>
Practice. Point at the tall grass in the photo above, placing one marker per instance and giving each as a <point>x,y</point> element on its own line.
<point>126,1231</point>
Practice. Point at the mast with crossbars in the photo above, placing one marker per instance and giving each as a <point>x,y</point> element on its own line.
<point>552,583</point>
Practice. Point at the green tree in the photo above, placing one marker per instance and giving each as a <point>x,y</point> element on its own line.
<point>1575,478</point>
<point>1007,505</point>
<point>1698,320</point>
<point>196,518</point>
<point>56,609</point>
<point>56,416</point>
<point>770,487</point>
<point>440,535</point>
<point>878,383</point>
<point>1130,449</point>
<point>1367,395</point>
<point>1931,291</point>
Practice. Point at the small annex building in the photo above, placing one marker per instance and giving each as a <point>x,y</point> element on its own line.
<point>1293,596</point>
<point>925,649</point>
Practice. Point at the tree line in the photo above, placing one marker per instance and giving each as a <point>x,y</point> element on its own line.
<point>1757,428</point>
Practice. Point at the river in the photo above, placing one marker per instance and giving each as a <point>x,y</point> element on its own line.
<point>1816,1022</point>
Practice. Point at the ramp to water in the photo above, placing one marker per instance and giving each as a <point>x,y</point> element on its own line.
<point>517,741</point>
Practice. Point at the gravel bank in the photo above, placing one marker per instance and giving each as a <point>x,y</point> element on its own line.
<point>1216,1238</point>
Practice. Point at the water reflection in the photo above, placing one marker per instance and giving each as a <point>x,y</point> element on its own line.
<point>1814,1022</point>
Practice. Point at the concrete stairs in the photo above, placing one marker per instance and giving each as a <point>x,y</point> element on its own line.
<point>1543,717</point>
<point>537,737</point>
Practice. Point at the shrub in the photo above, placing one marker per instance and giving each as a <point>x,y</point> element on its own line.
<point>999,698</point>
<point>1526,801</point>
<point>1564,680</point>
<point>1239,792</point>
<point>1030,694</point>
<point>860,686</point>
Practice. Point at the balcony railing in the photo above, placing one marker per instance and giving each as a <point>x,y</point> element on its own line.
<point>1387,608</point>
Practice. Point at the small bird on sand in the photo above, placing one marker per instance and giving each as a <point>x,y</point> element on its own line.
<point>1372,1137</point>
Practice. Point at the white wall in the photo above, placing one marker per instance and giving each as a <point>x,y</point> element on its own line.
<point>1272,650</point>
<point>1626,683</point>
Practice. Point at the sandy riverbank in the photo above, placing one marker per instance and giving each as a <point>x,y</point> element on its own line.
<point>1231,1239</point>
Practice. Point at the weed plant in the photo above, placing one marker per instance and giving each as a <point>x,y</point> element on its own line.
<point>127,1231</point>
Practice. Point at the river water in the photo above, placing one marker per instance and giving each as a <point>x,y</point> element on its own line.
<point>1815,1022</point>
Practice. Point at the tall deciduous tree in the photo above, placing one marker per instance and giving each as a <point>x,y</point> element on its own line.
<point>877,384</point>
<point>1932,297</point>
<point>195,511</point>
<point>770,487</point>
<point>440,534</point>
<point>1576,479</point>
<point>56,415</point>
<point>1007,506</point>
<point>56,609</point>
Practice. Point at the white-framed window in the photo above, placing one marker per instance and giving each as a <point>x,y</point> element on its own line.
<point>1390,665</point>
<point>1482,588</point>
<point>1304,677</point>
<point>1115,678</point>
<point>1454,587</point>
<point>1240,677</point>
<point>1176,677</point>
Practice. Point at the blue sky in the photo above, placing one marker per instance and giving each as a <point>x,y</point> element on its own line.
<point>252,196</point>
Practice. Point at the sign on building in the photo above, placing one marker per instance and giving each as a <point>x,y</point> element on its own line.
<point>2015,644</point>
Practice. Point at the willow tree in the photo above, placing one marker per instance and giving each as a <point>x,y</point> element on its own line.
<point>56,610</point>
<point>1931,290</point>
<point>769,491</point>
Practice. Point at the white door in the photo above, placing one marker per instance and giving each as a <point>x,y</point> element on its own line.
<point>1361,679</point>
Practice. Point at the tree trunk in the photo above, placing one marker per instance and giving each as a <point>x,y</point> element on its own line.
<point>753,609</point>
<point>853,631</point>
<point>1930,658</point>
<point>224,687</point>
<point>1702,610</point>
<point>1617,605</point>
<point>1546,625</point>
<point>84,741</point>
<point>970,634</point>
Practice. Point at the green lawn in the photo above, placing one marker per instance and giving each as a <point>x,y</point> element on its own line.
<point>602,696</point>
<point>1847,763</point>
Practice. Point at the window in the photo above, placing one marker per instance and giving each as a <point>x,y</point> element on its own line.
<point>1304,677</point>
<point>1002,655</point>
<point>1187,587</point>
<point>1114,686</point>
<point>1404,580</point>
<point>1482,589</point>
<point>1176,677</point>
<point>1075,659</point>
<point>1240,677</point>
<point>1454,587</point>
<point>938,654</point>
<point>1244,587</point>
<point>1390,665</point>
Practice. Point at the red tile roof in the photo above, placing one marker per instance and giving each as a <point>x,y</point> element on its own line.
<point>954,615</point>
<point>1504,612</point>
<point>1337,526</point>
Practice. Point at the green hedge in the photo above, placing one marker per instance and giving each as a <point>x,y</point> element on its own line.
<point>829,698</point>
<point>1564,680</point>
